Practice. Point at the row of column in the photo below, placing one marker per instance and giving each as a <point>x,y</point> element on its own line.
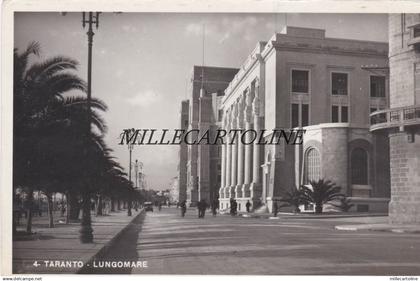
<point>240,175</point>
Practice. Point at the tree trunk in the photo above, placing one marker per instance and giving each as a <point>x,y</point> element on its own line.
<point>318,208</point>
<point>86,230</point>
<point>118,205</point>
<point>99,206</point>
<point>129,208</point>
<point>73,207</point>
<point>112,204</point>
<point>30,203</point>
<point>50,210</point>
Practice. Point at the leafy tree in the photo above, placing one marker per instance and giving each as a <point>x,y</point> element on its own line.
<point>321,192</point>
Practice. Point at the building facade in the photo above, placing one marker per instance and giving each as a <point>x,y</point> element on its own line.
<point>202,163</point>
<point>401,121</point>
<point>327,86</point>
<point>183,153</point>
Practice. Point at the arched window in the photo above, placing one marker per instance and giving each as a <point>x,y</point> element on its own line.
<point>312,165</point>
<point>359,166</point>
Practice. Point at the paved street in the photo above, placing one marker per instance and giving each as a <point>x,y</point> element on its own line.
<point>225,245</point>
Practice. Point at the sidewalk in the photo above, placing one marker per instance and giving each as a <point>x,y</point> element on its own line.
<point>380,225</point>
<point>61,243</point>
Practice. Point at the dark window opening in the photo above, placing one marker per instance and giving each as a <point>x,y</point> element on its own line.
<point>220,117</point>
<point>377,86</point>
<point>334,114</point>
<point>344,114</point>
<point>305,115</point>
<point>339,83</point>
<point>295,115</point>
<point>300,81</point>
<point>416,32</point>
<point>359,166</point>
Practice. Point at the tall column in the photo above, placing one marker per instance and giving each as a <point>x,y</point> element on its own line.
<point>256,166</point>
<point>248,148</point>
<point>228,161</point>
<point>234,159</point>
<point>223,176</point>
<point>240,122</point>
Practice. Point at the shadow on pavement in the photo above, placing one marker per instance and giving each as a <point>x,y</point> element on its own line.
<point>121,251</point>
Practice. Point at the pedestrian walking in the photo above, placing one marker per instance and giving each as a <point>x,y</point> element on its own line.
<point>183,208</point>
<point>62,208</point>
<point>275,208</point>
<point>248,206</point>
<point>202,206</point>
<point>214,207</point>
<point>233,207</point>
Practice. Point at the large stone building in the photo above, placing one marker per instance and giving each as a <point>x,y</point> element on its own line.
<point>202,162</point>
<point>300,78</point>
<point>183,154</point>
<point>401,121</point>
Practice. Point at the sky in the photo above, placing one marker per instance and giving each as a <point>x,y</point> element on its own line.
<point>142,62</point>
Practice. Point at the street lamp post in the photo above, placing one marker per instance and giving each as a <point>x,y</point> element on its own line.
<point>130,149</point>
<point>86,231</point>
<point>136,170</point>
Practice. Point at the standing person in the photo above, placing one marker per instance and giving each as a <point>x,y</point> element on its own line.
<point>248,206</point>
<point>183,208</point>
<point>160,206</point>
<point>275,208</point>
<point>231,206</point>
<point>203,208</point>
<point>199,209</point>
<point>214,207</point>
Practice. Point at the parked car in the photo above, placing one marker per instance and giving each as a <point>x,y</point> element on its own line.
<point>148,206</point>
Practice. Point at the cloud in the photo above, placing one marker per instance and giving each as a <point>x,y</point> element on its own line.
<point>225,28</point>
<point>129,28</point>
<point>144,99</point>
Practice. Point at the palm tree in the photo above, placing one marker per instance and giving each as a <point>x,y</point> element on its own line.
<point>321,192</point>
<point>50,127</point>
<point>294,198</point>
<point>35,88</point>
<point>345,204</point>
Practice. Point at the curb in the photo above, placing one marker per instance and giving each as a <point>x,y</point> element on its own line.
<point>382,229</point>
<point>292,216</point>
<point>105,248</point>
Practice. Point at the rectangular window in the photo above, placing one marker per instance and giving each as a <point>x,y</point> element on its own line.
<point>344,114</point>
<point>334,114</point>
<point>373,109</point>
<point>339,83</point>
<point>300,81</point>
<point>416,32</point>
<point>305,115</point>
<point>377,86</point>
<point>220,117</point>
<point>295,115</point>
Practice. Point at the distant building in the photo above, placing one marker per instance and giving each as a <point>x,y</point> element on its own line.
<point>174,190</point>
<point>202,162</point>
<point>302,79</point>
<point>401,120</point>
